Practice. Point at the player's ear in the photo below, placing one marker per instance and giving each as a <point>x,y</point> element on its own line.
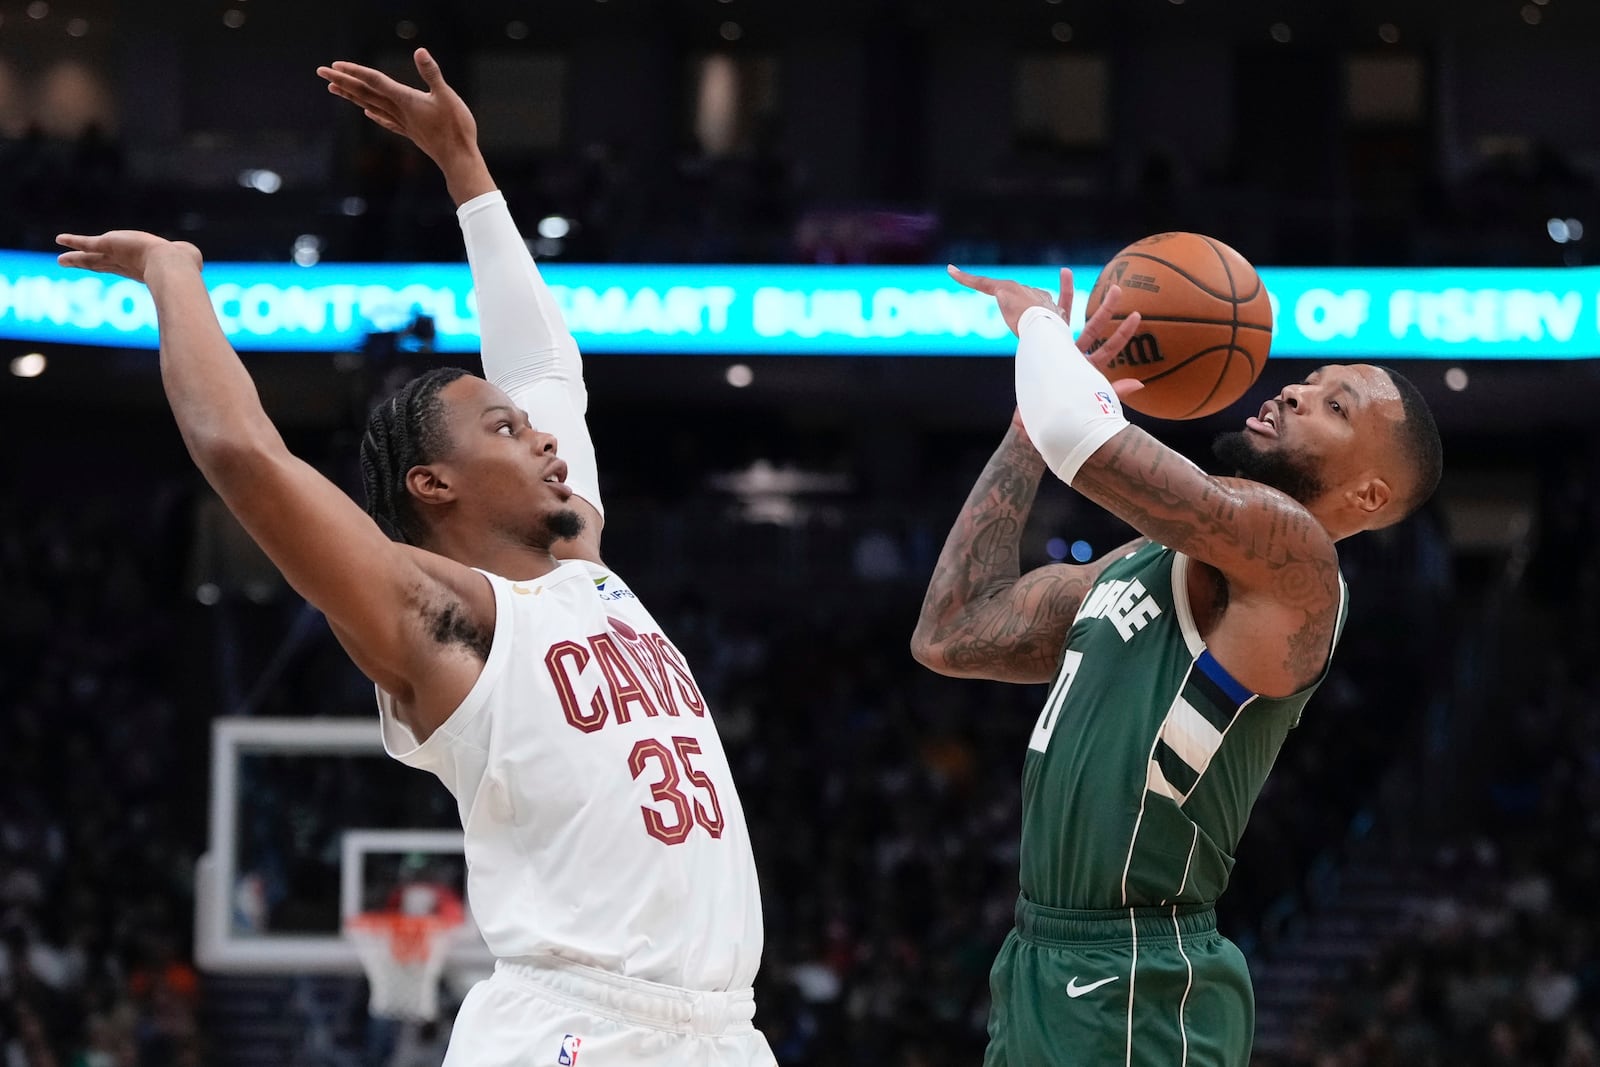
<point>430,484</point>
<point>1371,495</point>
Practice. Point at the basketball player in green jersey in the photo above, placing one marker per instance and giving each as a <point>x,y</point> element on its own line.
<point>1178,664</point>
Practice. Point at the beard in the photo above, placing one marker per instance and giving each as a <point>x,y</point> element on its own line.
<point>563,525</point>
<point>1284,469</point>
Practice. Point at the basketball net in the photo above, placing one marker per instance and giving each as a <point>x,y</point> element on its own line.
<point>403,956</point>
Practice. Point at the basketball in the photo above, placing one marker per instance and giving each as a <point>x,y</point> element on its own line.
<point>1205,329</point>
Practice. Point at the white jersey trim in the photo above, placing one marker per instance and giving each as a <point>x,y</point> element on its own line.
<point>1183,1005</point>
<point>1180,600</point>
<point>398,740</point>
<point>1133,978</point>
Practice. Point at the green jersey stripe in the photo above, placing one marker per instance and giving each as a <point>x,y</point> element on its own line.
<point>1174,769</point>
<point>1148,756</point>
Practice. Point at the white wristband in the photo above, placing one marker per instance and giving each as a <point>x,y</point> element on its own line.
<point>1067,406</point>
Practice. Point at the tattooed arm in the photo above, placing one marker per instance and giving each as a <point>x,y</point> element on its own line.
<point>1273,565</point>
<point>983,618</point>
<point>1279,564</point>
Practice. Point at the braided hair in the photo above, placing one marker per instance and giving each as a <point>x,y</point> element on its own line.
<point>403,431</point>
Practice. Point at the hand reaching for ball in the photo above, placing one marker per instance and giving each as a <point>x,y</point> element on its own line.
<point>1099,343</point>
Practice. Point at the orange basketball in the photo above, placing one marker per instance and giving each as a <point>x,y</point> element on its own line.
<point>1205,329</point>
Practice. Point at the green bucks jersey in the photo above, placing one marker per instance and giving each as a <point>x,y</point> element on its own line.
<point>1148,756</point>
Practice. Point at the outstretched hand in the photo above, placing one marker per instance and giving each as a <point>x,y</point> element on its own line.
<point>1099,343</point>
<point>1014,298</point>
<point>129,253</point>
<point>436,120</point>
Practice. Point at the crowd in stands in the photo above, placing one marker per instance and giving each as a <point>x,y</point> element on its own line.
<point>101,781</point>
<point>1499,963</point>
<point>883,800</point>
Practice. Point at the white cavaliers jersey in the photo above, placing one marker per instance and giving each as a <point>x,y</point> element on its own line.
<point>602,825</point>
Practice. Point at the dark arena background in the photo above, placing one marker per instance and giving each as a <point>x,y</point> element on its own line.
<point>747,206</point>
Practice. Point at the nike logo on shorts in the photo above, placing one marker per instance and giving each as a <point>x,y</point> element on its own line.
<point>1074,990</point>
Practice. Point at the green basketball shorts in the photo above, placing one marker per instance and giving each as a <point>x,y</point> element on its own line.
<point>1141,987</point>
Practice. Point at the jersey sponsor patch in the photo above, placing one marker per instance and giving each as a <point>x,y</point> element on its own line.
<point>568,1056</point>
<point>618,592</point>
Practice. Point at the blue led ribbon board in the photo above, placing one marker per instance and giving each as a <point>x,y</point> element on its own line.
<point>1322,313</point>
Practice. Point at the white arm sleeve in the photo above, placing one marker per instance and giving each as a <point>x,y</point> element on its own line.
<point>1067,406</point>
<point>527,349</point>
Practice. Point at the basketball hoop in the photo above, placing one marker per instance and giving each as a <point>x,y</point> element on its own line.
<point>403,956</point>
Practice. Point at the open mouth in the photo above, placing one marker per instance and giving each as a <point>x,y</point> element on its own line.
<point>557,477</point>
<point>1265,422</point>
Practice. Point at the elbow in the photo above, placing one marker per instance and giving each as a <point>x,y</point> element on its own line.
<point>227,456</point>
<point>928,652</point>
<point>921,648</point>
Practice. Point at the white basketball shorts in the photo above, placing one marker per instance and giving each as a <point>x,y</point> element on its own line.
<point>550,1013</point>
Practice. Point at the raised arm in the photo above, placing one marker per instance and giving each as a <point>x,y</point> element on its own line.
<point>1261,539</point>
<point>527,348</point>
<point>983,618</point>
<point>1276,559</point>
<point>385,601</point>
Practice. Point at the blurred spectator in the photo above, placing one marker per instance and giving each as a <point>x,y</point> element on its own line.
<point>883,800</point>
<point>1501,963</point>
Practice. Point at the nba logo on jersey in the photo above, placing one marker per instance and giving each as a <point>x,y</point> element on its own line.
<point>569,1051</point>
<point>1105,403</point>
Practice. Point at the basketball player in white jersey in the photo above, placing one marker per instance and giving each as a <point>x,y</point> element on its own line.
<point>609,865</point>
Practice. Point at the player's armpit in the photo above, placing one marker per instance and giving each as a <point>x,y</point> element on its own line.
<point>416,623</point>
<point>1265,544</point>
<point>1016,634</point>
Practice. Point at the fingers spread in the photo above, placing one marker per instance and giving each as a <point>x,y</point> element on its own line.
<point>1119,340</point>
<point>1064,301</point>
<point>1099,324</point>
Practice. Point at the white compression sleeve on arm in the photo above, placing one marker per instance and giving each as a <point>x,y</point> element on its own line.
<point>1067,406</point>
<point>527,349</point>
